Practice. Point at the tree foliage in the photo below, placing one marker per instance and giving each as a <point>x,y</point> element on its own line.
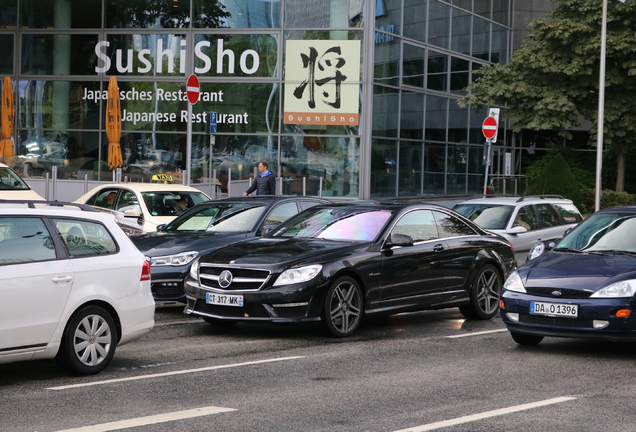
<point>555,177</point>
<point>552,80</point>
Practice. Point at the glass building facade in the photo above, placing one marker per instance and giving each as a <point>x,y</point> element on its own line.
<point>408,60</point>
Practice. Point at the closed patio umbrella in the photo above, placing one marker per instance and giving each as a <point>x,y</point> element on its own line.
<point>6,144</point>
<point>113,125</point>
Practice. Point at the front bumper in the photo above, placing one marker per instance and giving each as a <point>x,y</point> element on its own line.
<point>596,318</point>
<point>298,303</point>
<point>166,282</point>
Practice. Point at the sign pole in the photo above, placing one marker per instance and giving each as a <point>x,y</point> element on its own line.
<point>186,180</point>
<point>488,147</point>
<point>193,89</point>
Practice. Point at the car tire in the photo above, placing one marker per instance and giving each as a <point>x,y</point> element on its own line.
<point>526,339</point>
<point>219,323</point>
<point>343,307</point>
<point>89,341</point>
<point>484,294</point>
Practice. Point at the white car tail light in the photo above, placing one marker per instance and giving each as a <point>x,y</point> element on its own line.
<point>145,271</point>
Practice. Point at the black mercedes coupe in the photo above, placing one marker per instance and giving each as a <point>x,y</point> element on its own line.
<point>335,263</point>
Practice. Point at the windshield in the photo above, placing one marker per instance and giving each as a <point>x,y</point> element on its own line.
<point>171,203</point>
<point>603,231</point>
<point>336,224</point>
<point>9,180</point>
<point>226,217</point>
<point>487,216</point>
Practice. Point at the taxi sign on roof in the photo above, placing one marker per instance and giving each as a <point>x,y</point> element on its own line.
<point>162,177</point>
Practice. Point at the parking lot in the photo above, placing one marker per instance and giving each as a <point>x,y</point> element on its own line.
<point>421,371</point>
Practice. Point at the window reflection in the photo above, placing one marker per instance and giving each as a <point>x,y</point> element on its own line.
<point>436,113</point>
<point>61,54</point>
<point>61,14</point>
<point>439,24</point>
<point>312,161</point>
<point>437,78</point>
<point>460,38</point>
<point>385,117</point>
<point>144,14</point>
<point>413,65</point>
<point>481,38</point>
<point>384,156</point>
<point>8,14</point>
<point>6,61</point>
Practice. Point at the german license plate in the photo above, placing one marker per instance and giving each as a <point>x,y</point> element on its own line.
<point>224,299</point>
<point>554,309</point>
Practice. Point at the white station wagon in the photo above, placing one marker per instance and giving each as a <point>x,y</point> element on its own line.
<point>72,286</point>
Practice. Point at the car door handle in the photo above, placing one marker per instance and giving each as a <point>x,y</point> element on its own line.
<point>61,279</point>
<point>438,248</point>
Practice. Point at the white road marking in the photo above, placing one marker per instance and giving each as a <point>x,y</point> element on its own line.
<point>487,414</point>
<point>476,333</point>
<point>181,372</point>
<point>149,420</point>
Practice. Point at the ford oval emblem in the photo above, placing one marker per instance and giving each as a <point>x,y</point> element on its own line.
<point>556,293</point>
<point>225,279</point>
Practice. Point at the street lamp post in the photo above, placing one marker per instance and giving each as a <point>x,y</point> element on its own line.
<point>601,110</point>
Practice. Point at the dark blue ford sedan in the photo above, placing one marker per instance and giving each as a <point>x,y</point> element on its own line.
<point>584,287</point>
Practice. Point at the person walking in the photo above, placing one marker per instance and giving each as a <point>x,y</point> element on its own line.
<point>264,183</point>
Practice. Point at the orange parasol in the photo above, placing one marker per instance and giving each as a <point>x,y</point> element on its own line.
<point>6,144</point>
<point>113,125</point>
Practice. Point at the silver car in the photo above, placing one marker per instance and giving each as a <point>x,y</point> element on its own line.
<point>523,221</point>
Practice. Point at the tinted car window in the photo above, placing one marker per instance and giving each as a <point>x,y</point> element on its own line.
<point>104,198</point>
<point>526,218</point>
<point>492,217</point>
<point>83,238</point>
<point>419,225</point>
<point>24,240</point>
<point>127,201</point>
<point>10,180</point>
<point>450,226</point>
<point>549,216</point>
<point>162,203</point>
<point>336,223</point>
<point>230,217</point>
<point>281,213</point>
<point>603,231</point>
<point>569,212</point>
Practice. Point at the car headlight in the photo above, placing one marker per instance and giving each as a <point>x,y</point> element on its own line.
<point>626,288</point>
<point>297,275</point>
<point>514,283</point>
<point>536,250</point>
<point>174,260</point>
<point>194,269</point>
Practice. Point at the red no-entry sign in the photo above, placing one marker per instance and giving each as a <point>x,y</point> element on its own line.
<point>193,89</point>
<point>489,128</point>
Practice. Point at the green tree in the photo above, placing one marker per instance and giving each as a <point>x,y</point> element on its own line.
<point>552,81</point>
<point>555,177</point>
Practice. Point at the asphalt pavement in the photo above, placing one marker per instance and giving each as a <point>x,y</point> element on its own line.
<point>420,371</point>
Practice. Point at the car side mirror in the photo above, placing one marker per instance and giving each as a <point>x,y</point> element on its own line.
<point>402,240</point>
<point>161,227</point>
<point>516,230</point>
<point>132,213</point>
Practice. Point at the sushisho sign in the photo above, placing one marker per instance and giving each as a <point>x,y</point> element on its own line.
<point>322,82</point>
